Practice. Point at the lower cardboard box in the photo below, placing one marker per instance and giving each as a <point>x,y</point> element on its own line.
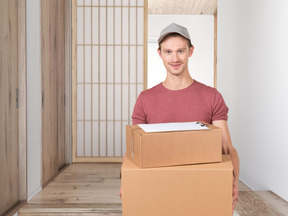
<point>199,189</point>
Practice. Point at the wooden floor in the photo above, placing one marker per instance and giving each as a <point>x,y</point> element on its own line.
<point>93,189</point>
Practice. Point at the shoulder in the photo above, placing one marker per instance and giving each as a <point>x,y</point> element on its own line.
<point>152,91</point>
<point>209,93</point>
<point>205,88</point>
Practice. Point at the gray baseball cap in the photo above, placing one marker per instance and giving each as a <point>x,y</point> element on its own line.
<point>174,28</point>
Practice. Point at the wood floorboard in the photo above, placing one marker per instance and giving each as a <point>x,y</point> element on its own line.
<point>243,187</point>
<point>273,200</point>
<point>93,189</point>
<point>72,209</point>
<point>250,204</point>
<point>84,183</point>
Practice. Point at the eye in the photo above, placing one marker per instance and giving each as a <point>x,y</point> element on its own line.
<point>167,52</point>
<point>180,51</point>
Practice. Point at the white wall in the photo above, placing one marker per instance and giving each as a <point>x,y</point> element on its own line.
<point>201,30</point>
<point>252,76</point>
<point>34,140</point>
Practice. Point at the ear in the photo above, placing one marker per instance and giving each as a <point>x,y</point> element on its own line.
<point>159,52</point>
<point>191,50</point>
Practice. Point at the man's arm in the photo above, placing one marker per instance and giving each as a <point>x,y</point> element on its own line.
<point>138,116</point>
<point>228,148</point>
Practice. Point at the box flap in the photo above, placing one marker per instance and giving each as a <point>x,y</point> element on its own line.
<point>224,165</point>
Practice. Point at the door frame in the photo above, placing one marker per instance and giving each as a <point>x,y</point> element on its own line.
<point>22,110</point>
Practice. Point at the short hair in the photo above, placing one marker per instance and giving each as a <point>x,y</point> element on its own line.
<point>175,35</point>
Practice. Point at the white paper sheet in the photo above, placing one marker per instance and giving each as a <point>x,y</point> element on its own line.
<point>179,126</point>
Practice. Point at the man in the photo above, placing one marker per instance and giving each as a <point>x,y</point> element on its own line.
<point>180,98</point>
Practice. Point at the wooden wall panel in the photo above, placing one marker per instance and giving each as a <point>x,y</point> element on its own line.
<point>61,81</point>
<point>53,87</point>
<point>74,77</point>
<point>22,110</point>
<point>68,83</point>
<point>9,147</point>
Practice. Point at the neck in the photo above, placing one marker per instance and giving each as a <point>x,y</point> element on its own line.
<point>177,82</point>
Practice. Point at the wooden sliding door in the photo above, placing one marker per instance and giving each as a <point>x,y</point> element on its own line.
<point>12,95</point>
<point>53,86</point>
<point>109,66</point>
<point>9,162</point>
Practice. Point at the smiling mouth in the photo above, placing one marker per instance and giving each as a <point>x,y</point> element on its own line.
<point>175,65</point>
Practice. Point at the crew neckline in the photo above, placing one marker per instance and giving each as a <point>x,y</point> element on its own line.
<point>180,90</point>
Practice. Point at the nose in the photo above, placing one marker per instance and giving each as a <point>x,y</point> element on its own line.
<point>175,57</point>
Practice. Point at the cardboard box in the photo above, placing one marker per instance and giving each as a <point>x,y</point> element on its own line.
<point>201,189</point>
<point>173,148</point>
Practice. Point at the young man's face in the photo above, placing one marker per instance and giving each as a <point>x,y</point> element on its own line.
<point>175,53</point>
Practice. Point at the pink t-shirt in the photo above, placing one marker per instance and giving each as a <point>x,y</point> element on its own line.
<point>197,102</point>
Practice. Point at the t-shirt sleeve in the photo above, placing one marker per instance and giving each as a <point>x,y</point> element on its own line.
<point>220,110</point>
<point>138,116</point>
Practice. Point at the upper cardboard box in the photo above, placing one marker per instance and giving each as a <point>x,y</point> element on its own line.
<point>173,148</point>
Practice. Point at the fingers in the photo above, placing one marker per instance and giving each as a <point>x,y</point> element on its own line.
<point>120,192</point>
<point>235,193</point>
<point>235,200</point>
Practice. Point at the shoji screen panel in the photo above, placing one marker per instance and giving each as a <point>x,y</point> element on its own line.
<point>109,38</point>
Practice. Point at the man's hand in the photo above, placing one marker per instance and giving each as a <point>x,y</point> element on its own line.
<point>228,148</point>
<point>235,192</point>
